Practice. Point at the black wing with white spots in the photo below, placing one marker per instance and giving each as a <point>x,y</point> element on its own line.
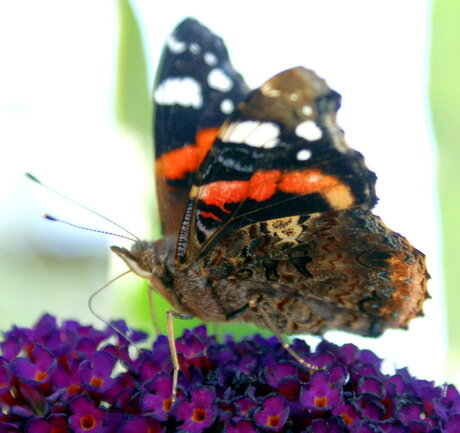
<point>196,90</point>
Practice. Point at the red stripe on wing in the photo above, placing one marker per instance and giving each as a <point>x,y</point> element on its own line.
<point>177,163</point>
<point>264,184</point>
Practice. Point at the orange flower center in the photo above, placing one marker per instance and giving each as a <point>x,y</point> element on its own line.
<point>73,389</point>
<point>87,422</point>
<point>167,404</point>
<point>320,402</point>
<point>198,415</point>
<point>40,375</point>
<point>96,381</point>
<point>273,421</point>
<point>347,418</point>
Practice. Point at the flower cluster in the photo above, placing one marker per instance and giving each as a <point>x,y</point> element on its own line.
<point>73,378</point>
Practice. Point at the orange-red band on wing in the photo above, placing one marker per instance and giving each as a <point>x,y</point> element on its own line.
<point>224,191</point>
<point>264,184</point>
<point>306,181</point>
<point>211,215</point>
<point>177,163</point>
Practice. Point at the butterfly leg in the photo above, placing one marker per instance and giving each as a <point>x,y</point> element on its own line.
<point>255,304</point>
<point>170,314</point>
<point>153,315</point>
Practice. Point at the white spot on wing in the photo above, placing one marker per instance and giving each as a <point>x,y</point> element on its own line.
<point>210,58</point>
<point>227,106</point>
<point>238,131</point>
<point>303,155</point>
<point>253,133</point>
<point>181,91</point>
<point>194,48</point>
<point>218,80</point>
<point>176,46</point>
<point>265,135</point>
<point>269,91</point>
<point>308,130</point>
<point>307,110</point>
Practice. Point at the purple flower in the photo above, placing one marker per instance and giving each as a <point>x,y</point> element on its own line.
<point>347,413</point>
<point>276,372</point>
<point>37,369</point>
<point>67,381</point>
<point>5,376</point>
<point>95,373</point>
<point>243,426</point>
<point>321,394</point>
<point>453,425</point>
<point>273,414</point>
<point>331,425</point>
<point>244,405</point>
<point>371,385</point>
<point>53,424</point>
<point>74,378</point>
<point>85,416</point>
<point>141,424</point>
<point>157,401</point>
<point>16,341</point>
<point>199,413</point>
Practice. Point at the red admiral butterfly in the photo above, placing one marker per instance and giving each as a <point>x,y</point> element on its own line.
<point>265,209</point>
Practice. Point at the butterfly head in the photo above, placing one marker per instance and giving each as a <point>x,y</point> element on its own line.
<point>144,258</point>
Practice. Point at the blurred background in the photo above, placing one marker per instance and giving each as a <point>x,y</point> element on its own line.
<point>75,110</point>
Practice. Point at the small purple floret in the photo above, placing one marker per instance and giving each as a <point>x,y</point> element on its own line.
<point>273,414</point>
<point>198,413</point>
<point>85,415</point>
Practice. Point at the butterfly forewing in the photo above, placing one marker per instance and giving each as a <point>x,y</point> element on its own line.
<point>280,154</point>
<point>196,89</point>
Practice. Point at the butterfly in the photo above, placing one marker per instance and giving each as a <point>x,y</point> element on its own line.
<point>266,211</point>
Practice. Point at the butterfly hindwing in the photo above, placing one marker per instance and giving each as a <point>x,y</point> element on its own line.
<point>281,153</point>
<point>196,90</point>
<point>332,270</point>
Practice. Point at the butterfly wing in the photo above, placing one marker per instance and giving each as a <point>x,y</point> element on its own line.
<point>196,90</point>
<point>331,270</point>
<point>281,153</point>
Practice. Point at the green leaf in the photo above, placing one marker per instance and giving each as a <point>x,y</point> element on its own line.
<point>133,103</point>
<point>445,108</point>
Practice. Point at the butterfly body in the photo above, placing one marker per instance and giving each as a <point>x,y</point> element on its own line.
<point>266,211</point>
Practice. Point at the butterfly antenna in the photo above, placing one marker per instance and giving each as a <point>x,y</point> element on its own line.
<point>52,218</point>
<point>98,316</point>
<point>36,180</point>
